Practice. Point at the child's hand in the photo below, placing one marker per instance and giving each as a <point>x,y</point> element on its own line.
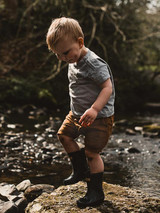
<point>88,117</point>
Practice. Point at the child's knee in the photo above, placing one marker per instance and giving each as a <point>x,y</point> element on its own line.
<point>63,138</point>
<point>90,155</point>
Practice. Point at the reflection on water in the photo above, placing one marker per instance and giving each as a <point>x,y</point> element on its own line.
<point>139,170</point>
<point>32,151</point>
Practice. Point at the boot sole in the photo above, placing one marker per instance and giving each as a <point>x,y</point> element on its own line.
<point>72,182</point>
<point>94,204</point>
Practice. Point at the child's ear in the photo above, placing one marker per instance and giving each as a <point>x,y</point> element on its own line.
<point>81,42</point>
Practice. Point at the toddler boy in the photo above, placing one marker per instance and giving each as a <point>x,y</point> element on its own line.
<point>92,95</point>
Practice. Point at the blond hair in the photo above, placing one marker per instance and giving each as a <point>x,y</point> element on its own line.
<point>60,28</point>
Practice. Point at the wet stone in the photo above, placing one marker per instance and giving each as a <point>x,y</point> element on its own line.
<point>11,143</point>
<point>7,189</point>
<point>3,198</point>
<point>151,134</point>
<point>8,207</point>
<point>34,191</point>
<point>23,185</point>
<point>4,166</point>
<point>21,203</point>
<point>14,199</point>
<point>138,128</point>
<point>11,200</point>
<point>130,132</point>
<point>19,148</point>
<point>134,150</point>
<point>46,158</point>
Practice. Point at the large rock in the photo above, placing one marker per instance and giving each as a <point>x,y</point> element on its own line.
<point>23,185</point>
<point>11,200</point>
<point>117,199</point>
<point>34,191</point>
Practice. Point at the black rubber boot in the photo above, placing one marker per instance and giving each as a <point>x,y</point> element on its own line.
<point>95,194</point>
<point>79,166</point>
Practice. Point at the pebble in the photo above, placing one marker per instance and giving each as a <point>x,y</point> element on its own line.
<point>134,150</point>
<point>130,132</point>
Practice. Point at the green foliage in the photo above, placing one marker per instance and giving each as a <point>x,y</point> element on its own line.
<point>122,32</point>
<point>21,91</point>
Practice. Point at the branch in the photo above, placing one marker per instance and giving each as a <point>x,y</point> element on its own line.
<point>103,47</point>
<point>115,47</point>
<point>55,70</point>
<point>93,29</point>
<point>24,15</point>
<point>102,8</point>
<point>117,27</point>
<point>32,49</point>
<point>25,57</point>
<point>144,37</point>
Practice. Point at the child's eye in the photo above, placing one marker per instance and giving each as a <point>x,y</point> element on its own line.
<point>66,53</point>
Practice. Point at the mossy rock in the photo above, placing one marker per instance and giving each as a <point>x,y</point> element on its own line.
<point>117,199</point>
<point>152,128</point>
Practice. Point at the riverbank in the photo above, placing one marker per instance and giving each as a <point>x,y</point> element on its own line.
<point>44,198</point>
<point>29,149</point>
<point>117,199</point>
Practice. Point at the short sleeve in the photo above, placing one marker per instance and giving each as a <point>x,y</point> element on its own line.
<point>98,71</point>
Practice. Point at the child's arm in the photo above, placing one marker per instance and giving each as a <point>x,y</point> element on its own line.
<point>90,114</point>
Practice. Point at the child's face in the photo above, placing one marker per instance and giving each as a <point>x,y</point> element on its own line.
<point>69,50</point>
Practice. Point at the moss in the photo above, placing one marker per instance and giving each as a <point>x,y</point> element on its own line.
<point>152,128</point>
<point>117,199</point>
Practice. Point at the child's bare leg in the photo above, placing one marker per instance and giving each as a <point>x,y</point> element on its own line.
<point>95,162</point>
<point>68,143</point>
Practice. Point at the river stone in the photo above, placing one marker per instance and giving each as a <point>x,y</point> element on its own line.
<point>151,134</point>
<point>11,200</point>
<point>8,207</point>
<point>34,191</point>
<point>8,189</point>
<point>117,199</point>
<point>3,198</point>
<point>155,127</point>
<point>23,185</point>
<point>21,203</point>
<point>134,150</point>
<point>130,132</point>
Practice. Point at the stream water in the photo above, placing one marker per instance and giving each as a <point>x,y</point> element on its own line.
<point>29,149</point>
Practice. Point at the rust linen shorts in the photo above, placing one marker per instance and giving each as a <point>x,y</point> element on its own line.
<point>96,135</point>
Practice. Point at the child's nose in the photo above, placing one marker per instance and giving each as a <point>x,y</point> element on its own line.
<point>62,57</point>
